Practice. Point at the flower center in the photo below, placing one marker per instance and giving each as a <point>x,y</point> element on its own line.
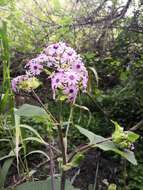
<point>57,80</point>
<point>71,90</point>
<point>70,53</point>
<point>35,67</point>
<point>71,77</point>
<point>78,66</point>
<point>55,46</point>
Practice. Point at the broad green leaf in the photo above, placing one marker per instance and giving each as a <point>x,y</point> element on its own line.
<point>44,185</point>
<point>107,145</point>
<point>91,136</point>
<point>28,110</point>
<point>129,155</point>
<point>4,171</point>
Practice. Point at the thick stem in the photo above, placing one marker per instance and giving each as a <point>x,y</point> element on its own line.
<point>63,177</point>
<point>69,120</point>
<point>52,167</point>
<point>61,139</point>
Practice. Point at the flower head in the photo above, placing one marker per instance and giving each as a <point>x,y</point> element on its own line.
<point>24,82</point>
<point>34,68</point>
<point>17,81</point>
<point>64,67</point>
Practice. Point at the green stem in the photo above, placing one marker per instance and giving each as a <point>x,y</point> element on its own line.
<point>61,139</point>
<point>52,167</point>
<point>69,120</point>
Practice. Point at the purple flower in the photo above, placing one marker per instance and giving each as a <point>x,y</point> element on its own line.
<point>55,49</point>
<point>41,58</point>
<point>71,92</point>
<point>67,82</point>
<point>34,68</point>
<point>17,80</point>
<point>71,77</point>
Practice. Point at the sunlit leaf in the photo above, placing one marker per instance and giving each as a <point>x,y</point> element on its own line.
<point>132,136</point>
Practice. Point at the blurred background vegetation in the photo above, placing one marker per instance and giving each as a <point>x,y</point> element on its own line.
<point>109,36</point>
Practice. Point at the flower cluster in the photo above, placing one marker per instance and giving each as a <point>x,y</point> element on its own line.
<point>66,71</point>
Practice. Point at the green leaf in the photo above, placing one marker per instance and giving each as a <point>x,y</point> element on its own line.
<point>34,139</point>
<point>107,145</point>
<point>44,185</point>
<point>91,136</point>
<point>112,186</point>
<point>17,137</point>
<point>3,2</point>
<point>4,140</point>
<point>56,5</point>
<point>118,128</point>
<point>11,154</point>
<point>38,152</point>
<point>95,74</point>
<point>132,137</point>
<point>28,110</point>
<point>84,108</point>
<point>75,162</point>
<point>4,171</point>
<point>37,138</point>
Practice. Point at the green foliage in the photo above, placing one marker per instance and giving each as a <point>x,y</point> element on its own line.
<point>112,187</point>
<point>31,26</point>
<point>44,185</point>
<point>30,111</point>
<point>123,139</point>
<point>6,94</point>
<point>76,160</point>
<point>4,171</point>
<point>107,145</point>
